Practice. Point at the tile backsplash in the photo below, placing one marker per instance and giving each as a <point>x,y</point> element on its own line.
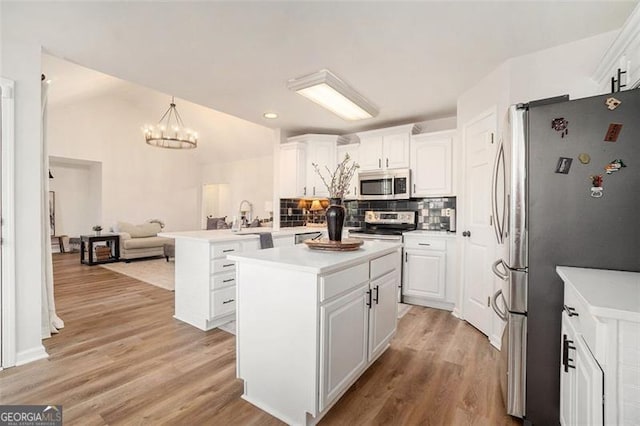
<point>431,213</point>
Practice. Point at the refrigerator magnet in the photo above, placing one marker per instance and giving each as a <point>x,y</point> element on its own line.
<point>612,103</point>
<point>613,132</point>
<point>596,186</point>
<point>614,166</point>
<point>564,165</point>
<point>584,158</point>
<point>560,125</point>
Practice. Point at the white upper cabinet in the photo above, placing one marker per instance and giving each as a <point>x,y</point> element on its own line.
<point>298,177</point>
<point>292,170</point>
<point>353,151</point>
<point>385,148</point>
<point>623,55</point>
<point>431,164</point>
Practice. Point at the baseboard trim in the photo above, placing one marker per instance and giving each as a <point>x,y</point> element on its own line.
<point>30,355</point>
<point>495,342</point>
<point>456,313</point>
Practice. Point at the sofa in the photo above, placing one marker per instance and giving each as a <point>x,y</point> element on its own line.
<point>138,241</point>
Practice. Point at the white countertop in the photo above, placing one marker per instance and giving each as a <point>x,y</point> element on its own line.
<point>302,258</point>
<point>609,294</point>
<point>221,235</point>
<point>429,233</point>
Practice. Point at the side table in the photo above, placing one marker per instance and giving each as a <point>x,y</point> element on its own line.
<point>88,244</point>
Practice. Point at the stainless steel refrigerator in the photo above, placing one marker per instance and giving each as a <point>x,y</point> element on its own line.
<point>566,191</point>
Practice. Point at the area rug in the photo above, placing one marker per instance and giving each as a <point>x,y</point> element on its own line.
<point>157,272</point>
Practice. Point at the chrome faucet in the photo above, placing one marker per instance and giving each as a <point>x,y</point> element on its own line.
<point>245,215</point>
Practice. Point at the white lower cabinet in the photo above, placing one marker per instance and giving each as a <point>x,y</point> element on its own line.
<point>384,312</point>
<point>600,352</point>
<point>357,327</point>
<point>424,273</point>
<point>344,342</point>
<point>205,281</point>
<point>581,380</point>
<point>428,274</point>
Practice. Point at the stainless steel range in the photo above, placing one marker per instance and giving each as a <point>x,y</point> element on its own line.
<point>385,226</point>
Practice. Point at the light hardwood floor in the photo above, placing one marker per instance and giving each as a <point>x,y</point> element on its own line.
<point>123,359</point>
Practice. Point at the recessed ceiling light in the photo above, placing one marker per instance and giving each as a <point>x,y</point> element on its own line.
<point>328,91</point>
<point>270,115</point>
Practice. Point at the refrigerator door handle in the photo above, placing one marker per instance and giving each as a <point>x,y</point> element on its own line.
<point>498,222</point>
<point>503,275</point>
<point>494,304</point>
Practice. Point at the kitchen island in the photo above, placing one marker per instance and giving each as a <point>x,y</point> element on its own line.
<point>205,281</point>
<point>310,323</point>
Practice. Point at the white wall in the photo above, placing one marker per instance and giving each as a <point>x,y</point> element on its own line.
<point>250,179</point>
<point>78,195</point>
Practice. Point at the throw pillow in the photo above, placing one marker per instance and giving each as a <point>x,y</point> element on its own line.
<point>212,222</point>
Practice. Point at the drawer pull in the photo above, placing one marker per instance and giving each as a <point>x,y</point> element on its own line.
<point>368,302</point>
<point>424,244</point>
<point>228,264</point>
<point>228,250</point>
<point>377,294</point>
<point>571,311</point>
<point>228,301</point>
<point>228,280</point>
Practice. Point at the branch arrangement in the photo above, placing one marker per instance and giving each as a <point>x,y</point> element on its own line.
<point>340,178</point>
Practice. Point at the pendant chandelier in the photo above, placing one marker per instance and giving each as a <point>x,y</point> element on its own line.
<point>170,132</point>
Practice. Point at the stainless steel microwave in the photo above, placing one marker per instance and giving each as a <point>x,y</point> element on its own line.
<point>384,184</point>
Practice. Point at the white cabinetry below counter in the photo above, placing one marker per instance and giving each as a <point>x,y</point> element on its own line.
<point>205,281</point>
<point>600,365</point>
<point>429,269</point>
<point>312,323</point>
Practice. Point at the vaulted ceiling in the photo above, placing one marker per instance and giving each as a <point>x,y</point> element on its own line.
<point>411,59</point>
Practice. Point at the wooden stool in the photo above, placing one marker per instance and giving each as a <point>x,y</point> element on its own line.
<point>59,240</point>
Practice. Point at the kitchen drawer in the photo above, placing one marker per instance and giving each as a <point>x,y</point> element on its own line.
<point>341,281</point>
<point>385,264</point>
<point>222,249</point>
<point>222,265</point>
<point>439,244</point>
<point>580,317</point>
<point>223,301</point>
<point>226,279</point>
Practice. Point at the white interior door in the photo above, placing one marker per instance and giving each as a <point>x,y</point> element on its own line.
<point>478,246</point>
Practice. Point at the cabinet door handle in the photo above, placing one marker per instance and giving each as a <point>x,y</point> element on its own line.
<point>377,294</point>
<point>566,346</point>
<point>314,190</point>
<point>571,311</point>
<point>406,256</point>
<point>424,244</point>
<point>387,163</point>
<point>304,191</point>
<point>414,187</point>
<point>369,298</point>
<point>228,301</point>
<point>379,163</point>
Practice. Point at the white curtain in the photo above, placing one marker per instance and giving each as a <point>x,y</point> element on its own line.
<point>51,323</point>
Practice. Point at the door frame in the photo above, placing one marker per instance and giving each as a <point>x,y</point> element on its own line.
<point>493,110</point>
<point>7,283</point>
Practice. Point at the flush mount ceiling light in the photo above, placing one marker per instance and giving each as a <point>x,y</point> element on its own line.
<point>328,91</point>
<point>170,132</point>
<point>270,115</point>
